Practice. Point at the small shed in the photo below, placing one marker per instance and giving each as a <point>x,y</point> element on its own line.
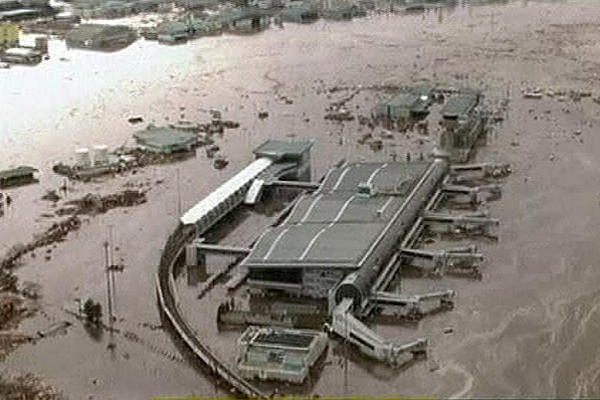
<point>97,36</point>
<point>17,176</point>
<point>411,102</point>
<point>165,140</point>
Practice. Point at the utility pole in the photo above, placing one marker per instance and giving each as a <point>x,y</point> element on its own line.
<point>178,195</point>
<point>346,349</point>
<point>108,283</point>
<point>108,269</point>
<point>112,268</point>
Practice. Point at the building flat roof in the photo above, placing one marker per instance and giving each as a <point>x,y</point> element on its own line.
<point>21,51</point>
<point>276,337</point>
<point>17,172</point>
<point>164,137</point>
<point>335,225</point>
<point>284,338</point>
<point>416,99</point>
<point>460,103</point>
<point>90,31</point>
<point>279,148</point>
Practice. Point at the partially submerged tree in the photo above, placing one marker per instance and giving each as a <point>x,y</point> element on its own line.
<point>92,311</point>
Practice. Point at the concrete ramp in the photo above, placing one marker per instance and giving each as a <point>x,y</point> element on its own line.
<point>254,194</point>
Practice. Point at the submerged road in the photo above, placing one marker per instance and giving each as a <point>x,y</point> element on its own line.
<point>167,296</point>
<point>535,304</point>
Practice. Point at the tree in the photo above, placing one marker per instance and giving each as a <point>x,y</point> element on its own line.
<point>92,311</point>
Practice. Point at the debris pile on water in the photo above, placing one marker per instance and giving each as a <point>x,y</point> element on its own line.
<point>92,204</point>
<point>27,387</point>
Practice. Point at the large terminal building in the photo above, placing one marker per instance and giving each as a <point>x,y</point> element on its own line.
<point>352,223</point>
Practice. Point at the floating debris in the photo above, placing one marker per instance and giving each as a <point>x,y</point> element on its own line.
<point>220,162</point>
<point>51,195</point>
<point>534,94</point>
<point>91,204</point>
<point>135,120</point>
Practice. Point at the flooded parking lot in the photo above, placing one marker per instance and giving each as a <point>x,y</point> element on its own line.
<point>528,328</point>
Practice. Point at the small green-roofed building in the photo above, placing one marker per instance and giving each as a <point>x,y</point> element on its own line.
<point>97,36</point>
<point>174,28</point>
<point>165,140</point>
<point>461,103</point>
<point>173,32</point>
<point>17,176</point>
<point>206,27</point>
<point>410,102</point>
<point>279,149</point>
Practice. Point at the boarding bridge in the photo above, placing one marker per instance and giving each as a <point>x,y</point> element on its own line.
<point>438,261</point>
<point>475,193</point>
<point>488,170</point>
<point>467,223</point>
<point>413,306</point>
<point>345,325</point>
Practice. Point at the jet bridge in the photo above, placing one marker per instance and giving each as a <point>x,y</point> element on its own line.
<point>413,306</point>
<point>345,325</point>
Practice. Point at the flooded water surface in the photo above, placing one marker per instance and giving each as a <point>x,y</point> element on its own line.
<point>529,328</point>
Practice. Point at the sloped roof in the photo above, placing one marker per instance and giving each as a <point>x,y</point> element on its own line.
<point>164,137</point>
<point>18,172</point>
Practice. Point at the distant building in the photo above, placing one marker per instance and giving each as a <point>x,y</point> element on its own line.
<point>17,176</point>
<point>299,15</point>
<point>341,10</point>
<point>113,8</point>
<point>9,35</point>
<point>34,3</point>
<point>411,102</point>
<point>21,55</point>
<point>174,32</point>
<point>246,20</point>
<point>18,10</point>
<point>101,37</point>
<point>464,121</point>
<point>9,5</point>
<point>165,140</point>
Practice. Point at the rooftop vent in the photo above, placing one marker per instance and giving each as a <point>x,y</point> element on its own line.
<point>365,189</point>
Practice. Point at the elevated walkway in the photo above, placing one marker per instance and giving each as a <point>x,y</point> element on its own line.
<point>225,198</point>
<point>344,324</point>
<point>276,159</point>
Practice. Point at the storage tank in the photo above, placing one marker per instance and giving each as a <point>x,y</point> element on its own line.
<point>101,154</point>
<point>82,158</point>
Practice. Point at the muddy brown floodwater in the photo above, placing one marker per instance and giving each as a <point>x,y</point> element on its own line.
<point>529,328</point>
